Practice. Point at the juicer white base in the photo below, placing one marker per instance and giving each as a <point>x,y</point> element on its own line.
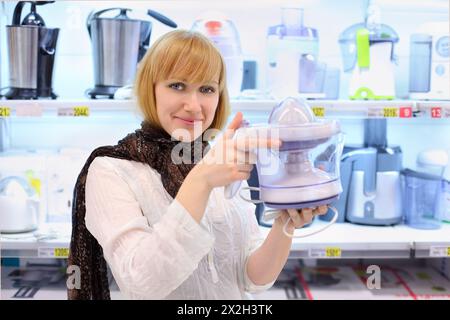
<point>301,194</point>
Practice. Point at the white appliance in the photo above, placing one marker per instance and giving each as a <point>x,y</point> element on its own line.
<point>292,56</point>
<point>304,171</point>
<point>223,33</point>
<point>369,55</point>
<point>19,206</point>
<point>429,68</point>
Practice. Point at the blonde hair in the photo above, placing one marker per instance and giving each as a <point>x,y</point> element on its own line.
<point>181,54</point>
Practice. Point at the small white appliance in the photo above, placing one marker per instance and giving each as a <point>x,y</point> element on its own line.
<point>292,56</point>
<point>223,33</point>
<point>19,206</point>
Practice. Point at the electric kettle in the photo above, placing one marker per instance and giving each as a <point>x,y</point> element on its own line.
<point>19,206</point>
<point>304,171</point>
<point>118,44</point>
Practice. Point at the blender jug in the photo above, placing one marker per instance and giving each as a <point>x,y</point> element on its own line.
<point>421,199</point>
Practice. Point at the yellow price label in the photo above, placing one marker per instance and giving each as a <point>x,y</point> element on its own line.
<point>319,111</point>
<point>448,251</point>
<point>390,112</point>
<point>333,252</point>
<point>81,111</point>
<point>5,112</point>
<point>61,252</point>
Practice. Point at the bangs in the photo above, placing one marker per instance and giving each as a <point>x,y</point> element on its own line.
<point>194,60</point>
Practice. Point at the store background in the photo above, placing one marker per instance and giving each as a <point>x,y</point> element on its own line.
<point>52,145</point>
<point>73,71</point>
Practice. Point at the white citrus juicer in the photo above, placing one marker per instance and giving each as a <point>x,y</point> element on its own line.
<point>304,171</point>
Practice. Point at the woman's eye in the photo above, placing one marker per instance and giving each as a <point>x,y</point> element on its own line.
<point>177,86</point>
<point>207,90</point>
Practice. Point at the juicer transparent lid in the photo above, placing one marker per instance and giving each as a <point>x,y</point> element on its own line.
<point>296,122</point>
<point>382,33</point>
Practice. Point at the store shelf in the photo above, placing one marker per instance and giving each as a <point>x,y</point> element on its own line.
<point>339,241</point>
<point>346,240</point>
<point>322,108</point>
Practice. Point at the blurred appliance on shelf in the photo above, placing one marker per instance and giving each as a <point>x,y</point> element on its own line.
<point>292,53</point>
<point>368,53</point>
<point>445,204</point>
<point>370,176</point>
<point>429,74</point>
<point>223,33</point>
<point>19,205</point>
<point>30,166</point>
<point>421,199</point>
<point>118,44</point>
<point>124,93</point>
<point>5,134</point>
<point>31,54</point>
<point>62,172</point>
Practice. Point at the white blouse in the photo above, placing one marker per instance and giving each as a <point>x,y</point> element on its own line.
<point>153,246</point>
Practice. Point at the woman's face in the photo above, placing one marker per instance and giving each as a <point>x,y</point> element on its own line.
<point>184,107</point>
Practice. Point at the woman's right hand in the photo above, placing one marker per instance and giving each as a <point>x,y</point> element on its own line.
<point>230,160</point>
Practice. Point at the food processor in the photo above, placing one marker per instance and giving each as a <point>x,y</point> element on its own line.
<point>304,171</point>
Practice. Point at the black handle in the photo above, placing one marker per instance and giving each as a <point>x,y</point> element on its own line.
<point>41,3</point>
<point>161,18</point>
<point>18,9</point>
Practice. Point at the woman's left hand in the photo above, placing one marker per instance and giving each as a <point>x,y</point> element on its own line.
<point>299,218</point>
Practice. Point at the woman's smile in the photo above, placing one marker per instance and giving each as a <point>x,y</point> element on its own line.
<point>189,121</point>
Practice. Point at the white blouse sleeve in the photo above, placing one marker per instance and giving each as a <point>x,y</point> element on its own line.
<point>254,241</point>
<point>148,262</point>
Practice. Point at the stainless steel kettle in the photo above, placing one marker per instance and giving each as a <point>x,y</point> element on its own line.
<point>31,53</point>
<point>118,44</point>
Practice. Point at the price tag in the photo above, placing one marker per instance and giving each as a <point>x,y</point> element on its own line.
<point>375,113</point>
<point>29,110</point>
<point>328,252</point>
<point>440,251</point>
<point>405,112</point>
<point>78,111</point>
<point>319,111</point>
<point>46,252</point>
<point>5,112</point>
<point>81,111</point>
<point>436,112</point>
<point>389,112</point>
<point>333,252</point>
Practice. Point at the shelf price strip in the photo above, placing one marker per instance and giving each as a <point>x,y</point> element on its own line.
<point>78,111</point>
<point>5,112</point>
<point>328,252</point>
<point>45,252</point>
<point>439,251</point>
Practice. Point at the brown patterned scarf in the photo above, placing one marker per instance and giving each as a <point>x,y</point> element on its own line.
<point>148,145</point>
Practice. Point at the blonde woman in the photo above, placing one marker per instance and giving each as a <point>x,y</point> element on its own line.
<point>163,226</point>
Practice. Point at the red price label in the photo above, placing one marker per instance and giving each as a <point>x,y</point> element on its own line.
<point>436,112</point>
<point>405,112</point>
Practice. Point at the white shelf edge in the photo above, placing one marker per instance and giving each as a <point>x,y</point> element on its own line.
<point>355,108</point>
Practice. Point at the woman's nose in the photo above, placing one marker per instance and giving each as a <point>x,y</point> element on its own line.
<point>192,103</point>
